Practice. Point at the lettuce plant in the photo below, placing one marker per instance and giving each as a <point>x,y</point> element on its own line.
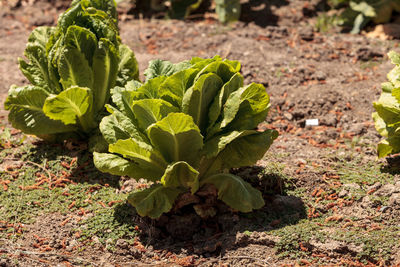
<point>71,68</point>
<point>360,12</point>
<point>183,129</point>
<point>387,115</point>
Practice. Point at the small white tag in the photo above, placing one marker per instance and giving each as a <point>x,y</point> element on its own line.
<point>312,122</point>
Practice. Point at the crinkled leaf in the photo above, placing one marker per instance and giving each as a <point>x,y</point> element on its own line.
<point>150,164</point>
<point>105,69</point>
<point>26,113</point>
<point>181,174</point>
<point>154,201</point>
<point>74,69</point>
<point>380,124</point>
<point>215,109</point>
<point>118,126</point>
<point>253,108</point>
<point>200,63</point>
<point>177,138</point>
<point>396,94</point>
<point>105,5</point>
<point>150,88</point>
<point>388,109</point>
<point>149,111</point>
<point>128,67</point>
<point>36,71</point>
<point>69,106</point>
<point>244,109</point>
<point>117,165</point>
<point>83,40</point>
<point>241,151</point>
<point>235,192</point>
<point>175,86</point>
<point>394,76</point>
<point>215,145</point>
<point>384,149</point>
<point>224,70</point>
<point>160,67</point>
<point>387,87</point>
<point>197,99</point>
<point>394,57</point>
<point>123,99</point>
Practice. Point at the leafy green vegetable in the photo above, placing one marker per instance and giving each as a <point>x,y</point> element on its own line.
<point>359,12</point>
<point>228,10</point>
<point>387,115</point>
<point>72,68</point>
<point>183,129</point>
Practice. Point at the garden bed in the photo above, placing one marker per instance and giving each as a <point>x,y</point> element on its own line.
<point>328,199</point>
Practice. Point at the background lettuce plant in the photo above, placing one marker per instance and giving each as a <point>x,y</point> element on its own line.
<point>387,115</point>
<point>71,68</point>
<point>183,129</point>
<point>358,13</point>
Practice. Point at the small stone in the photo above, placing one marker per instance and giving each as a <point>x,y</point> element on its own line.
<point>358,128</point>
<point>288,116</point>
<point>343,193</point>
<point>353,186</point>
<point>329,120</point>
<point>394,200</point>
<point>122,243</point>
<point>387,190</point>
<point>307,33</point>
<point>96,240</point>
<point>375,186</point>
<point>71,245</point>
<point>301,162</point>
<point>319,75</point>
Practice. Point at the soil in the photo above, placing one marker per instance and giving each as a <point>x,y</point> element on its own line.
<point>333,77</point>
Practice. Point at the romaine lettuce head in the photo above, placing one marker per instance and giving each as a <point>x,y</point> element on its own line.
<point>183,129</point>
<point>71,68</point>
<point>387,115</point>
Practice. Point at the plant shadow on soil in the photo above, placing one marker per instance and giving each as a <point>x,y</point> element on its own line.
<point>392,165</point>
<point>85,172</point>
<point>260,12</point>
<point>185,230</point>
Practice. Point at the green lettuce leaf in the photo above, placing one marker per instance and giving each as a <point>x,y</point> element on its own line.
<point>181,174</point>
<point>235,192</point>
<point>149,162</point>
<point>173,135</point>
<point>198,98</point>
<point>150,111</point>
<point>105,69</point>
<point>154,201</point>
<point>26,113</point>
<point>160,67</point>
<point>70,106</point>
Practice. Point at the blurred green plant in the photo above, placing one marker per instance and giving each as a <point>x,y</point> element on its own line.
<point>358,13</point>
